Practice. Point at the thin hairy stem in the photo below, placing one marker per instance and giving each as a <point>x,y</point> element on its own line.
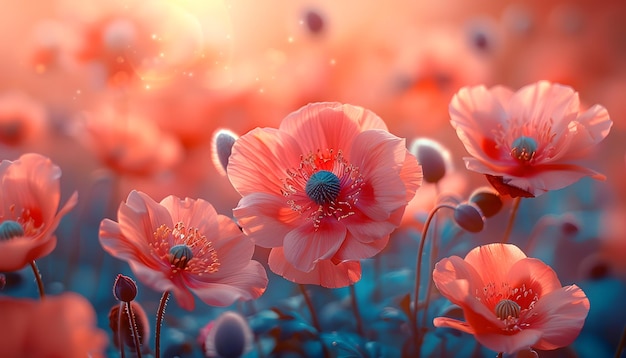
<point>120,338</point>
<point>309,304</point>
<point>159,320</point>
<point>355,309</point>
<point>33,265</point>
<point>418,270</point>
<point>133,327</point>
<point>314,319</point>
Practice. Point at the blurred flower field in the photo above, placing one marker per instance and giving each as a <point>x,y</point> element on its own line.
<point>312,178</point>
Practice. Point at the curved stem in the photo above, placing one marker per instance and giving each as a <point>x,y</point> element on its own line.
<point>418,270</point>
<point>314,319</point>
<point>159,320</point>
<point>355,309</point>
<point>509,225</point>
<point>500,355</point>
<point>309,304</point>
<point>133,327</point>
<point>120,338</point>
<point>33,265</point>
<point>434,252</point>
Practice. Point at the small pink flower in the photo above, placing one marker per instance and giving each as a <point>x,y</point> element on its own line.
<point>29,209</point>
<point>22,119</point>
<point>61,326</point>
<point>530,141</point>
<point>324,190</point>
<point>511,302</point>
<point>184,246</point>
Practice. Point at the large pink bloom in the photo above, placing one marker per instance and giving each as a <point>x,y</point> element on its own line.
<point>184,246</point>
<point>324,190</point>
<point>29,200</point>
<point>59,326</point>
<point>530,141</point>
<point>510,302</point>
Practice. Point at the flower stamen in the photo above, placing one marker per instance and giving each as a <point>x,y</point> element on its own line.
<point>324,185</point>
<point>524,149</point>
<point>185,249</point>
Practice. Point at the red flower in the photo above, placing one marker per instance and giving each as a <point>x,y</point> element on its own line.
<point>184,246</point>
<point>324,190</point>
<point>61,326</point>
<point>510,302</point>
<point>29,200</point>
<point>530,141</point>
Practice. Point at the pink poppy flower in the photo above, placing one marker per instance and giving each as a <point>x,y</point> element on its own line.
<point>511,302</point>
<point>323,190</point>
<point>128,143</point>
<point>530,141</point>
<point>22,120</point>
<point>59,326</point>
<point>128,43</point>
<point>29,209</point>
<point>184,246</point>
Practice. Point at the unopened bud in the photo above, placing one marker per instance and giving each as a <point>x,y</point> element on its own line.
<point>229,336</point>
<point>141,319</point>
<point>314,22</point>
<point>570,225</point>
<point>124,288</point>
<point>222,145</point>
<point>469,218</point>
<point>433,158</point>
<point>488,201</point>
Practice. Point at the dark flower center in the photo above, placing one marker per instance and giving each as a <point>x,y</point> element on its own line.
<point>10,229</point>
<point>180,255</point>
<point>323,187</point>
<point>524,149</point>
<point>506,309</point>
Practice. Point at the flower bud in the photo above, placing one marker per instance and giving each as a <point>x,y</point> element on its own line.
<point>229,336</point>
<point>569,225</point>
<point>433,158</point>
<point>469,218</point>
<point>124,288</point>
<point>594,267</point>
<point>314,22</point>
<point>488,201</point>
<point>222,144</point>
<point>141,319</point>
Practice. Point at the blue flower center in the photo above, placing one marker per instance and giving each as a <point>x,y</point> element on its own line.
<point>323,187</point>
<point>10,229</point>
<point>524,149</point>
<point>180,255</point>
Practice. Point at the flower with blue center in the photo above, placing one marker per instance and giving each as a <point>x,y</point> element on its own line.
<point>324,190</point>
